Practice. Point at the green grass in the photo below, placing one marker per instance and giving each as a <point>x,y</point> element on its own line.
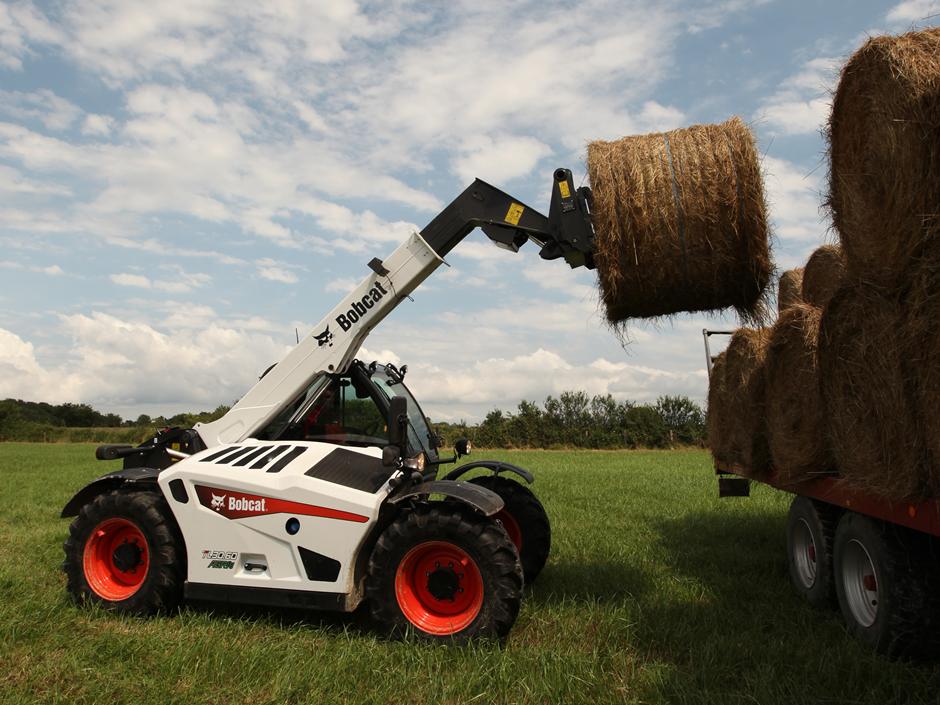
<point>656,592</point>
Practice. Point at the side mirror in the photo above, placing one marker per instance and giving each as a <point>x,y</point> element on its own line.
<point>391,455</point>
<point>398,422</point>
<point>462,447</point>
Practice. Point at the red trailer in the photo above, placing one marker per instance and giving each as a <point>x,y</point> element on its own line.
<point>878,560</point>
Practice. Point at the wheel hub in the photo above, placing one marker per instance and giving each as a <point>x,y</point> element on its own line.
<point>127,556</point>
<point>444,583</point>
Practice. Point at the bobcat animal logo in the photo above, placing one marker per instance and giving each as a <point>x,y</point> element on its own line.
<point>325,338</point>
<point>218,501</point>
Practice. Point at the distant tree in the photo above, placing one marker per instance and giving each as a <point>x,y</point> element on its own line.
<point>143,420</point>
<point>684,419</point>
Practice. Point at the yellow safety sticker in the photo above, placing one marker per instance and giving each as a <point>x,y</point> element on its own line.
<point>514,213</point>
<point>563,189</point>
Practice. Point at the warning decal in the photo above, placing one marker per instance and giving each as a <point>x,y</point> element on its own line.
<point>514,213</point>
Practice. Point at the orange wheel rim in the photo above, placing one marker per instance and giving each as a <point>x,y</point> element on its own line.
<point>116,559</point>
<point>513,530</point>
<point>439,588</point>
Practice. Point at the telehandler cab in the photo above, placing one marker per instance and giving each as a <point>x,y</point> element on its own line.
<point>318,488</point>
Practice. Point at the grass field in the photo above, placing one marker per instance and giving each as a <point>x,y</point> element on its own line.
<point>656,592</point>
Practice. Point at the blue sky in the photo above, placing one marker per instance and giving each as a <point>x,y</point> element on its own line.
<point>184,183</point>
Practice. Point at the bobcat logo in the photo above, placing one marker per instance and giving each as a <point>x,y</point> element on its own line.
<point>325,338</point>
<point>218,501</point>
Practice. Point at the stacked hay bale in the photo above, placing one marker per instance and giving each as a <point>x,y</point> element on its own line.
<point>852,369</point>
<point>790,289</point>
<point>736,399</point>
<point>680,222</point>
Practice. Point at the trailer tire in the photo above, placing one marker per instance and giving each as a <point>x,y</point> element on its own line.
<point>525,520</point>
<point>884,583</point>
<point>811,528</point>
<point>446,573</point>
<point>124,553</point>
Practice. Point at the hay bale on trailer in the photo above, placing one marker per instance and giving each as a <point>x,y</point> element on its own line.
<point>823,275</point>
<point>921,340</point>
<point>884,137</point>
<point>736,432</point>
<point>790,289</point>
<point>873,431</point>
<point>680,222</point>
<point>796,427</point>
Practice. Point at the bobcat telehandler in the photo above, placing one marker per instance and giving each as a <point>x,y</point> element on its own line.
<point>319,487</point>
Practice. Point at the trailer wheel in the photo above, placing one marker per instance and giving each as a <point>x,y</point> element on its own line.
<point>525,521</point>
<point>882,581</point>
<point>811,530</point>
<point>446,572</point>
<point>123,553</point>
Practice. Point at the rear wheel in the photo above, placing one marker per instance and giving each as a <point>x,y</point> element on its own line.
<point>884,582</point>
<point>447,572</point>
<point>123,553</point>
<point>810,533</point>
<point>525,520</point>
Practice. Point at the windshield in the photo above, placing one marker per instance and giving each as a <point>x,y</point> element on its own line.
<point>388,381</point>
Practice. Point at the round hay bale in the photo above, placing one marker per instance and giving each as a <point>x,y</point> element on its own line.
<point>796,435</point>
<point>884,137</point>
<point>873,434</point>
<point>680,222</point>
<point>921,336</point>
<point>823,275</point>
<point>736,430</point>
<point>790,289</point>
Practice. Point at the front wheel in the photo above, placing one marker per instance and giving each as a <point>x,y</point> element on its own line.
<point>810,532</point>
<point>525,520</point>
<point>123,553</point>
<point>447,572</point>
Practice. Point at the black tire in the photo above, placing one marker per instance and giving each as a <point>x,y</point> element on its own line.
<point>811,528</point>
<point>415,536</point>
<point>151,540</point>
<point>527,511</point>
<point>899,617</point>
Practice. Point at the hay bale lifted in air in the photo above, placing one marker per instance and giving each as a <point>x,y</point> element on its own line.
<point>823,275</point>
<point>736,432</point>
<point>884,136</point>
<point>680,222</point>
<point>796,426</point>
<point>790,289</point>
<point>874,437</point>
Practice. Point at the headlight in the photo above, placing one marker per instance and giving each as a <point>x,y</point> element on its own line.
<point>415,463</point>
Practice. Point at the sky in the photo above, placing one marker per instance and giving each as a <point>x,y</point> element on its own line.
<point>184,184</point>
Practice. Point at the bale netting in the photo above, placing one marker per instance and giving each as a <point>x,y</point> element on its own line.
<point>823,275</point>
<point>680,222</point>
<point>873,434</point>
<point>796,428</point>
<point>736,432</point>
<point>884,137</point>
<point>790,289</point>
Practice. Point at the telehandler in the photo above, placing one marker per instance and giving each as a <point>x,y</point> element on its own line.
<point>319,487</point>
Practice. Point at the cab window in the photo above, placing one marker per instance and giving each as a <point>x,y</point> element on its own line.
<point>341,414</point>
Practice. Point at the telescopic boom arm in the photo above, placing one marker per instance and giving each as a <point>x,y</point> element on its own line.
<point>566,233</point>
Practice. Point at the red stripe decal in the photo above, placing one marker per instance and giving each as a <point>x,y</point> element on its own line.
<point>238,505</point>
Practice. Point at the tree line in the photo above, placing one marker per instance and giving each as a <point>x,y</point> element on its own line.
<point>571,420</point>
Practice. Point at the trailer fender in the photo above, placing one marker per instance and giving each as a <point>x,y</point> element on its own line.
<point>497,466</point>
<point>106,483</point>
<point>480,498</point>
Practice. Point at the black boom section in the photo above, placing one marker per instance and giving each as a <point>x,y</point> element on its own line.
<point>351,469</point>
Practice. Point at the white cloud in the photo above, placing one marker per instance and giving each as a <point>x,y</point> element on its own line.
<point>181,283</point>
<point>98,125</point>
<point>54,112</point>
<point>341,285</point>
<point>52,269</point>
<point>275,271</point>
<point>911,11</point>
<point>801,102</point>
<point>499,159</point>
